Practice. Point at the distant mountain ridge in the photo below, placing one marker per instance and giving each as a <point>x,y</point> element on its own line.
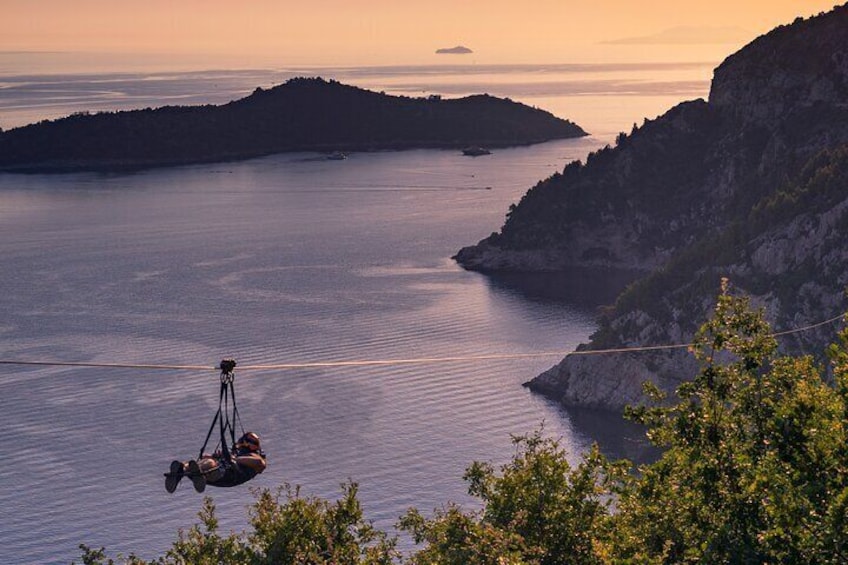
<point>303,114</point>
<point>752,184</point>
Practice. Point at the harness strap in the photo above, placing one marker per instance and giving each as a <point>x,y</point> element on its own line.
<point>219,417</point>
<point>222,417</point>
<point>236,416</point>
<point>226,388</point>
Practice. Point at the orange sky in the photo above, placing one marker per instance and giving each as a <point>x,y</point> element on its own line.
<point>378,32</point>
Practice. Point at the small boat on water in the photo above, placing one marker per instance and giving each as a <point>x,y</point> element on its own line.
<point>336,156</point>
<point>475,151</point>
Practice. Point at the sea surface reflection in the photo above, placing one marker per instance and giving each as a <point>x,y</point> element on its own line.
<point>282,259</point>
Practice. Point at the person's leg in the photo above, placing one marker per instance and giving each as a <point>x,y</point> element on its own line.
<point>206,470</point>
<point>173,476</point>
<point>212,468</point>
<point>196,475</point>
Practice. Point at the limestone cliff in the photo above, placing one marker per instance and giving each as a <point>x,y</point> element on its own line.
<point>751,184</point>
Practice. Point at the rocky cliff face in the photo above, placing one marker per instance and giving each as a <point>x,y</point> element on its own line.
<point>794,66</point>
<point>627,207</point>
<point>752,184</point>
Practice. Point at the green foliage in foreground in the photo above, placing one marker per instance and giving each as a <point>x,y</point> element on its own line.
<point>754,470</point>
<point>287,529</point>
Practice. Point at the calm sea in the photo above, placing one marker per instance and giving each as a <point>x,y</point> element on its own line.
<point>284,259</point>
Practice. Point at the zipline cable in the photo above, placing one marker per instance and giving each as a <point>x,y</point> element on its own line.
<point>111,365</point>
<point>810,327</point>
<point>390,362</point>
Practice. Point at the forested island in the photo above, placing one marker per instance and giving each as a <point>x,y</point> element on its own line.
<point>303,114</point>
<point>750,184</point>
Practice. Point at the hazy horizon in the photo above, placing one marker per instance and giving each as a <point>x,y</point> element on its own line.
<point>603,98</point>
<point>264,34</point>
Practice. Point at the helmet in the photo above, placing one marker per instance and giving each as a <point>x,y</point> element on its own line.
<point>249,440</point>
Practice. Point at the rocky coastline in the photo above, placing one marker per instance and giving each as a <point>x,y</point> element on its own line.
<point>749,184</point>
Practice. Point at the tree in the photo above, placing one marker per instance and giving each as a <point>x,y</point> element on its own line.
<point>754,467</point>
<point>311,530</point>
<point>204,545</point>
<point>287,529</point>
<point>538,510</point>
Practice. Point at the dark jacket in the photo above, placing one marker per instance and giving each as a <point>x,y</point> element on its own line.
<point>233,473</point>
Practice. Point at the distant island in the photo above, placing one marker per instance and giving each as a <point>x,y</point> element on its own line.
<point>751,184</point>
<point>303,114</point>
<point>458,50</point>
<point>687,35</point>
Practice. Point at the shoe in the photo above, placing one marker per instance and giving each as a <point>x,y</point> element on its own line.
<point>173,477</point>
<point>196,476</point>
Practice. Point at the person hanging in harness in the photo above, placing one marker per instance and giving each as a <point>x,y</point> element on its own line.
<point>244,462</point>
<point>225,467</point>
